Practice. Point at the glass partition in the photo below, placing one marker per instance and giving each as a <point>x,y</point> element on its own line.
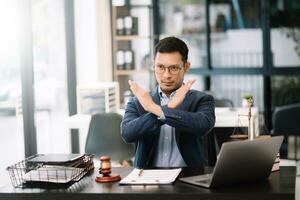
<point>235,87</point>
<point>285,33</point>
<point>186,20</point>
<point>236,35</point>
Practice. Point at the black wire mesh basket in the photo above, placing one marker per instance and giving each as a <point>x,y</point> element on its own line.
<point>30,173</point>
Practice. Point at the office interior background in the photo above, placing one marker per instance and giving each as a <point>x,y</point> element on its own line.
<point>49,48</point>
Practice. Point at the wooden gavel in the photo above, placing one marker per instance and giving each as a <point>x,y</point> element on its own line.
<point>105,170</point>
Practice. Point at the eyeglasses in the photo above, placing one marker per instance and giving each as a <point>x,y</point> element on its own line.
<point>173,69</point>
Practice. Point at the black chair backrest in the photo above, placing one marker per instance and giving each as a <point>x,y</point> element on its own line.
<point>286,119</point>
<point>104,137</point>
<point>210,148</point>
<point>223,103</point>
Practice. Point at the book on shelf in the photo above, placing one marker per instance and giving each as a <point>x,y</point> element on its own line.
<point>120,26</point>
<point>120,60</point>
<point>125,60</point>
<point>131,25</point>
<point>127,25</point>
<point>129,60</point>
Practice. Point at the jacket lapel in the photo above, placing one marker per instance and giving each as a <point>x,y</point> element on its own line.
<point>185,103</point>
<point>183,106</point>
<point>155,96</point>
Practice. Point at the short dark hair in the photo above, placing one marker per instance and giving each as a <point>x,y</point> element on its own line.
<point>172,44</point>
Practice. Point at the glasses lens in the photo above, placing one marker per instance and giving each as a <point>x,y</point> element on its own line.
<point>174,69</point>
<point>160,69</point>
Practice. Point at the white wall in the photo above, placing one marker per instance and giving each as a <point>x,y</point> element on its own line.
<point>93,41</point>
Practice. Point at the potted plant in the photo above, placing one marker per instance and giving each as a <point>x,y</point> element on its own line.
<point>246,98</point>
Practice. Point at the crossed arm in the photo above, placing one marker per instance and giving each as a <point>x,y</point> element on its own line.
<point>149,105</point>
<point>198,122</point>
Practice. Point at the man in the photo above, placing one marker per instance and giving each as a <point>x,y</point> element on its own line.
<point>167,125</point>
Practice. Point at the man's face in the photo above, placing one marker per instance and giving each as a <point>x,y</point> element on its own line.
<point>169,71</point>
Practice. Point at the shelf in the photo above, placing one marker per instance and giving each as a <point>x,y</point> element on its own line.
<point>141,43</point>
<point>132,6</point>
<point>200,36</point>
<point>130,37</point>
<point>130,72</point>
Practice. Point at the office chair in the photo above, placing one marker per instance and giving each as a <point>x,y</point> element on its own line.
<point>104,137</point>
<point>286,122</point>
<point>223,103</point>
<point>211,148</point>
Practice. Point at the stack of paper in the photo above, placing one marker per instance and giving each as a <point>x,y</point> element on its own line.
<point>53,174</point>
<point>151,176</point>
<point>276,166</point>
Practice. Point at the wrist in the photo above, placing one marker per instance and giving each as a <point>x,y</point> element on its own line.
<point>156,109</point>
<point>170,105</point>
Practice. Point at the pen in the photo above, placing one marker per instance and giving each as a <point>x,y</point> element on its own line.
<point>140,172</point>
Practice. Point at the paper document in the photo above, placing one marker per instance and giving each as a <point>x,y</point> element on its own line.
<point>151,176</point>
<point>53,174</point>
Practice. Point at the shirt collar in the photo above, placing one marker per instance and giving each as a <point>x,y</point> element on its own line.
<point>163,95</point>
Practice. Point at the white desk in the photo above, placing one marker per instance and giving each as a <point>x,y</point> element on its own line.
<point>225,117</point>
<point>237,117</point>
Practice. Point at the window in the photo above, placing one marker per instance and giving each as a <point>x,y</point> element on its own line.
<point>285,33</point>
<point>50,78</point>
<point>11,118</point>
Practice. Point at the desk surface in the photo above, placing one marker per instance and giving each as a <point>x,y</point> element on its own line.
<point>280,185</point>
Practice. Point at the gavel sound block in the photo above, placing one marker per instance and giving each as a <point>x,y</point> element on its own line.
<point>105,170</point>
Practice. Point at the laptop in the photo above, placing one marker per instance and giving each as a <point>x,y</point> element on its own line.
<point>241,161</point>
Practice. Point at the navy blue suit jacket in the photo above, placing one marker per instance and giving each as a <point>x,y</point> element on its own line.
<point>193,119</point>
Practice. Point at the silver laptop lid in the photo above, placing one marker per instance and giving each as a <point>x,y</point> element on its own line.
<point>245,161</point>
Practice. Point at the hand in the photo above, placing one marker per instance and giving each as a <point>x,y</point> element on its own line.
<point>145,99</point>
<point>143,96</point>
<point>178,98</point>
